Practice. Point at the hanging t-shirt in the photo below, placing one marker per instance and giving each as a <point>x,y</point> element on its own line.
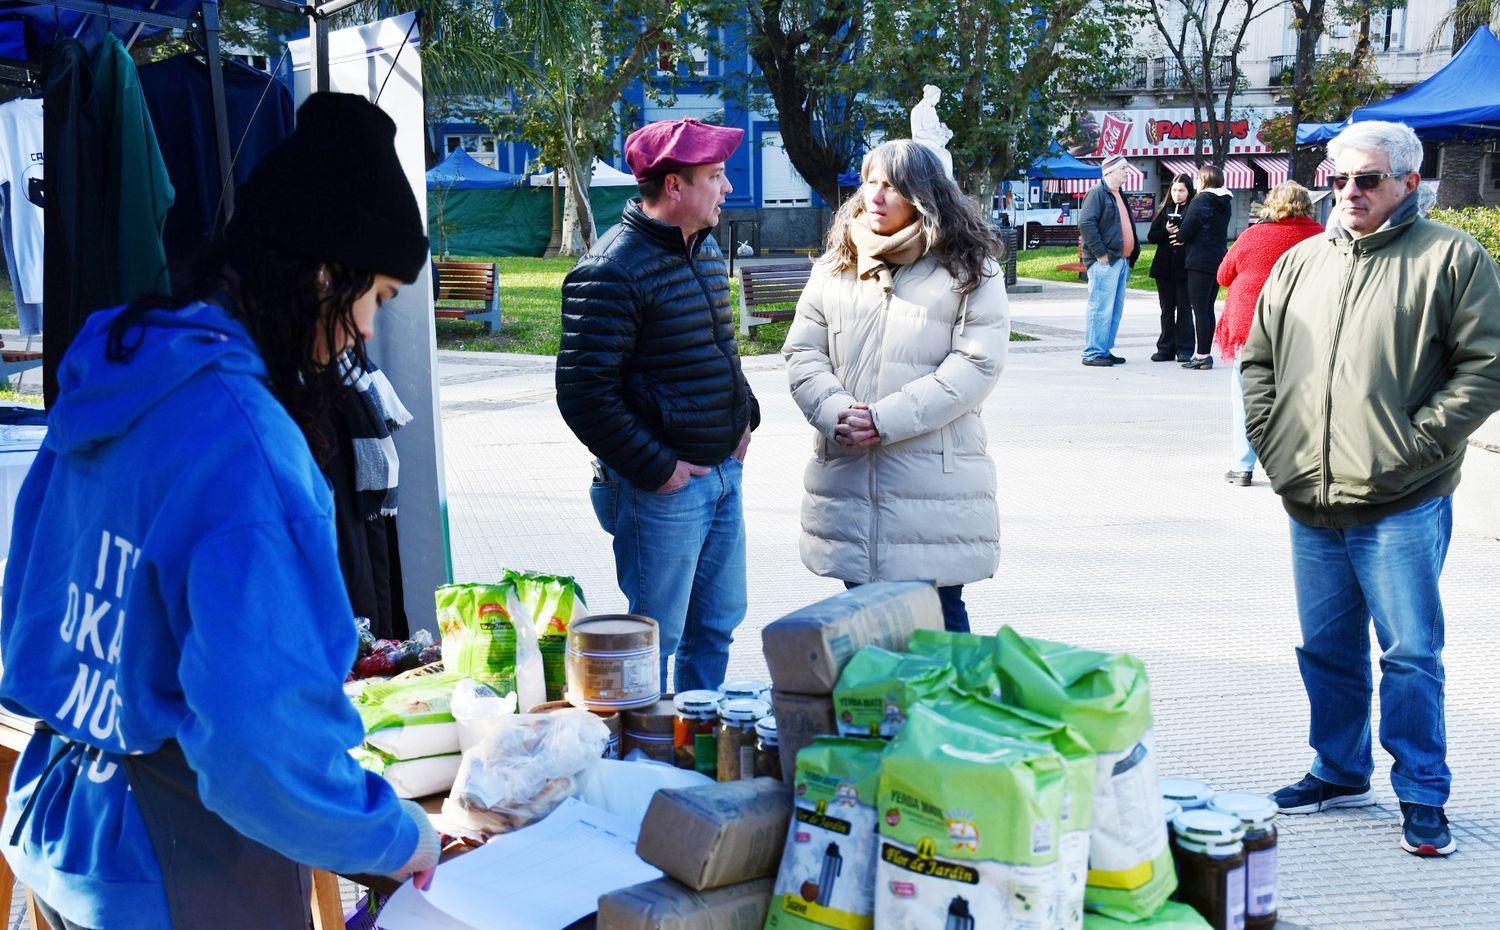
<point>21,168</point>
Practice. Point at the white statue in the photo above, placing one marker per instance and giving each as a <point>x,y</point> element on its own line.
<point>929,129</point>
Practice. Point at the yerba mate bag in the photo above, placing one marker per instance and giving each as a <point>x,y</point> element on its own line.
<point>971,655</point>
<point>1105,697</point>
<point>488,636</point>
<point>877,686</point>
<point>827,876</point>
<point>554,602</point>
<point>1079,761</point>
<point>969,826</point>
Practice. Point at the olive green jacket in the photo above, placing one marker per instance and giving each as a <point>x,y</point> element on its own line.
<point>1369,363</point>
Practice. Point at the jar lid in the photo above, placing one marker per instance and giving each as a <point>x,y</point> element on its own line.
<point>765,728</point>
<point>697,703</point>
<point>743,710</point>
<point>1170,810</point>
<point>1222,850</point>
<point>744,687</point>
<point>1187,792</point>
<point>1208,827</point>
<point>1254,810</point>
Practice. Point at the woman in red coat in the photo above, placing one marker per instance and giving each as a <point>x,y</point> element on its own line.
<point>1285,220</point>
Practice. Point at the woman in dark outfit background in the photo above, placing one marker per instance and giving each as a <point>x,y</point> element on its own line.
<point>1205,232</point>
<point>1170,272</point>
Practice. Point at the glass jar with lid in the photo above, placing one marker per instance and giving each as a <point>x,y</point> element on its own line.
<point>1258,814</point>
<point>1189,794</point>
<point>736,739</point>
<point>767,749</point>
<point>745,688</point>
<point>694,731</point>
<point>1209,851</point>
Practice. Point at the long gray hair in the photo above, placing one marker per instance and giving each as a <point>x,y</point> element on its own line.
<point>953,224</point>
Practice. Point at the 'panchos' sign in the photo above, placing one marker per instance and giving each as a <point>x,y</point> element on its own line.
<point>1165,132</point>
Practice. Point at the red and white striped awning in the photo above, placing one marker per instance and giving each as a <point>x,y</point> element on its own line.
<point>1135,180</point>
<point>1324,170</point>
<point>1237,175</point>
<point>1277,168</point>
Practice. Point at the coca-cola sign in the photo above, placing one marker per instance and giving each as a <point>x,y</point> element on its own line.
<point>1166,132</point>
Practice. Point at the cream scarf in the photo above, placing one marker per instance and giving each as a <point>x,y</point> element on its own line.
<point>877,254</point>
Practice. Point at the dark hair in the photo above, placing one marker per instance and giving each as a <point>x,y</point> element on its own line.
<point>276,296</point>
<point>651,189</point>
<point>1168,204</point>
<point>1211,176</point>
<point>953,223</point>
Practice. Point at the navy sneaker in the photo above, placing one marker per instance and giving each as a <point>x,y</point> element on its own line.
<point>1424,830</point>
<point>1313,794</point>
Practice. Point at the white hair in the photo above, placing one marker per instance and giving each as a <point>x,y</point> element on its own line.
<point>1395,139</point>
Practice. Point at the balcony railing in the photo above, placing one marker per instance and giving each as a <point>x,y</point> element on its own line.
<point>1281,68</point>
<point>1167,73</point>
<point>1138,75</point>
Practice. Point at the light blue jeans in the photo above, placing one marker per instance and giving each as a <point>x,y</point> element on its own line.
<point>1241,456</point>
<point>1386,571</point>
<point>1106,304</point>
<point>680,560</point>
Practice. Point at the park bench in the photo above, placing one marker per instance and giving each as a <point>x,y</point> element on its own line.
<point>15,361</point>
<point>764,285</point>
<point>470,282</point>
<point>1039,236</point>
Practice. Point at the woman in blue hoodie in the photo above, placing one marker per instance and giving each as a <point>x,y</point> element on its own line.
<point>174,611</point>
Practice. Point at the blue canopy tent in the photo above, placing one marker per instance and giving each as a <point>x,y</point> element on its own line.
<point>1062,166</point>
<point>460,172</point>
<point>1318,133</point>
<point>1461,102</point>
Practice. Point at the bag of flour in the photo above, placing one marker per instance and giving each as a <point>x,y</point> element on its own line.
<point>969,826</point>
<point>877,686</point>
<point>1079,760</point>
<point>554,602</point>
<point>1105,697</point>
<point>827,876</point>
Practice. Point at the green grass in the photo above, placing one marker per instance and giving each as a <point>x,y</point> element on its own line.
<point>1042,263</point>
<point>530,306</point>
<point>8,318</point>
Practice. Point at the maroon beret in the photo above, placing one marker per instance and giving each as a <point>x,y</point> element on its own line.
<point>673,144</point>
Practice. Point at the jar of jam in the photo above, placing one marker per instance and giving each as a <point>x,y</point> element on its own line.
<point>737,719</point>
<point>752,688</point>
<point>1209,852</point>
<point>694,731</point>
<point>1188,793</point>
<point>767,749</point>
<point>1258,814</point>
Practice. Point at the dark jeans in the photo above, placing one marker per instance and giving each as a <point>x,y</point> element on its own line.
<point>1203,290</point>
<point>955,614</point>
<point>1176,317</point>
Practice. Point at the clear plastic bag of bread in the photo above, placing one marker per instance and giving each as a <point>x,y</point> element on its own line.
<point>523,770</point>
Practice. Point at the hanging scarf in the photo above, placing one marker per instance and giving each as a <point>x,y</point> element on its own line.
<point>877,253</point>
<point>374,413</point>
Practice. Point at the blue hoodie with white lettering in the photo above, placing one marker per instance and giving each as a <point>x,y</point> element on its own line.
<point>174,575</point>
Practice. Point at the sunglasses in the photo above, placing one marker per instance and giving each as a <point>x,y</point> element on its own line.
<point>1365,182</point>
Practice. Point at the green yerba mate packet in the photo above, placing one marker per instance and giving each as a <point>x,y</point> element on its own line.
<point>877,685</point>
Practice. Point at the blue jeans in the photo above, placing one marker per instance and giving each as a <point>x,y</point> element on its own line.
<point>1241,456</point>
<point>680,560</point>
<point>955,614</point>
<point>1105,306</point>
<point>1386,571</point>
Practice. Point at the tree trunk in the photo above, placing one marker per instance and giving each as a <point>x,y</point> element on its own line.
<point>1309,24</point>
<point>580,174</point>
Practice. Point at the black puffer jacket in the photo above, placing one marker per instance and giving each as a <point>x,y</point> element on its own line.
<point>648,372</point>
<point>1205,229</point>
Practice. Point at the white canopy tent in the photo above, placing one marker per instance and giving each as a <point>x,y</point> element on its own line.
<point>603,176</point>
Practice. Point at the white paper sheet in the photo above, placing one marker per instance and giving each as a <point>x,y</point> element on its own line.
<point>543,877</point>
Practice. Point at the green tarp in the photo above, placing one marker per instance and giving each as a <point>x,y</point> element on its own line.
<point>511,222</point>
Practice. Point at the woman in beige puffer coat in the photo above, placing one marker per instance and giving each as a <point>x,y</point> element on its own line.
<point>899,337</point>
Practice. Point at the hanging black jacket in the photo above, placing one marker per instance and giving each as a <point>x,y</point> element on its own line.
<point>648,371</point>
<point>1205,229</point>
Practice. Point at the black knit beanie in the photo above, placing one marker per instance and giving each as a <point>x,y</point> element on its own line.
<point>334,191</point>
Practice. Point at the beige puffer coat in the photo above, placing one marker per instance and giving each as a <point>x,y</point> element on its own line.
<point>921,504</point>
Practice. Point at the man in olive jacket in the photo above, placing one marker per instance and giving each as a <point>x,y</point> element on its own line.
<point>649,379</point>
<point>1374,353</point>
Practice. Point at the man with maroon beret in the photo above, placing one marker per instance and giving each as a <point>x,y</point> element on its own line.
<point>649,379</point>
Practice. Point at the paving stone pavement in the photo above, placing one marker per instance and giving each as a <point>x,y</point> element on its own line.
<point>1118,532</point>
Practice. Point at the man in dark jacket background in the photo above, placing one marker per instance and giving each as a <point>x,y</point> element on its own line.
<point>649,379</point>
<point>1110,247</point>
